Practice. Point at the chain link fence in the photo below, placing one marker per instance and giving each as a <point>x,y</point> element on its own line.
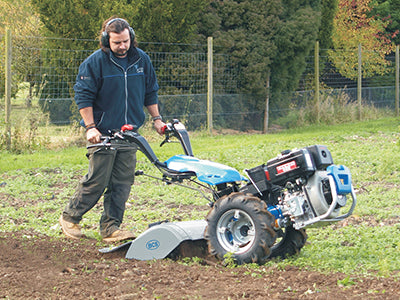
<point>44,76</point>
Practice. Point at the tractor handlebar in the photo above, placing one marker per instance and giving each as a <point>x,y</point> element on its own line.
<point>177,129</point>
<point>128,133</point>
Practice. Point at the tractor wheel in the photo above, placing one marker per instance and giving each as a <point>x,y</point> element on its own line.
<point>241,225</point>
<point>288,243</point>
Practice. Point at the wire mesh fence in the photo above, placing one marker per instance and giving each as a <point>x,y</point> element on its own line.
<point>45,75</point>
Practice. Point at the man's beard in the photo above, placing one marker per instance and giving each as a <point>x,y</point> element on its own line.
<point>119,54</point>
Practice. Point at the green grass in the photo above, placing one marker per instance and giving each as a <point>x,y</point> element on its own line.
<point>35,187</point>
<point>68,157</point>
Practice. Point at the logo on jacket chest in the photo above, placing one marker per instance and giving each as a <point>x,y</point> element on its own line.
<point>139,69</point>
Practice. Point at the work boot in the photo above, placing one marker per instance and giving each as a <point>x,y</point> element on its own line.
<point>119,235</point>
<point>71,230</point>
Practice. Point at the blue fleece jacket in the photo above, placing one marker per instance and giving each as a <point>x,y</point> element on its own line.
<point>117,95</point>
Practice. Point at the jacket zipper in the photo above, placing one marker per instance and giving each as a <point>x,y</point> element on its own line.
<point>125,83</point>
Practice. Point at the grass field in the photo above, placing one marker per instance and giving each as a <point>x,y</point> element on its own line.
<point>35,187</point>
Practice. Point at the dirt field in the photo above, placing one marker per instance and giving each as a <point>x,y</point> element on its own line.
<point>57,268</point>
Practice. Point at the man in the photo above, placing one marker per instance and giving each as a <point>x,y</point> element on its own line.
<point>112,87</point>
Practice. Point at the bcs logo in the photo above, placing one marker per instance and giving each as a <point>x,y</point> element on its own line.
<point>286,167</point>
<point>152,245</point>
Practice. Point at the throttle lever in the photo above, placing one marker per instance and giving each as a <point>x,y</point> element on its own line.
<point>166,140</point>
<point>165,130</point>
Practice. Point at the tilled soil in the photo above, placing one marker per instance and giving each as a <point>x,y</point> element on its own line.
<point>40,267</point>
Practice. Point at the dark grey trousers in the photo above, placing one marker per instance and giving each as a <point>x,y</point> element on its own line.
<point>111,172</point>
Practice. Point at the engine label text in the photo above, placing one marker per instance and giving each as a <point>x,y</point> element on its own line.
<point>286,167</point>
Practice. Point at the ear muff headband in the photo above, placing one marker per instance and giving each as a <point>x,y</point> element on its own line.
<point>105,37</point>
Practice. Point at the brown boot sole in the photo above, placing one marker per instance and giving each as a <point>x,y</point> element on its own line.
<point>118,238</point>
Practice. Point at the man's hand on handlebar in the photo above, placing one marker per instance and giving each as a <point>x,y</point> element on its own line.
<point>159,126</point>
<point>93,135</point>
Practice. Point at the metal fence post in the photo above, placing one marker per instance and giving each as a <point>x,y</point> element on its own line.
<point>8,88</point>
<point>316,68</point>
<point>210,84</point>
<point>266,112</point>
<point>397,82</point>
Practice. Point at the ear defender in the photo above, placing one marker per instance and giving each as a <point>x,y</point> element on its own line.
<point>105,37</point>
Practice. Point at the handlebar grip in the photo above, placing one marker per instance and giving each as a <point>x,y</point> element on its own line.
<point>127,127</point>
<point>164,129</point>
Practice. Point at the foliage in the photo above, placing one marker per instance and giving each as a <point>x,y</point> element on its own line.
<point>230,261</point>
<point>388,10</point>
<point>334,107</point>
<point>295,39</point>
<point>17,15</point>
<point>28,133</point>
<point>257,39</point>
<point>246,31</point>
<point>264,38</point>
<point>268,37</point>
<point>172,21</point>
<point>69,19</point>
<point>352,27</point>
<point>328,11</point>
<point>24,136</point>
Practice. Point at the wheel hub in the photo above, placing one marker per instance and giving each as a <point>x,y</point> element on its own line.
<point>244,230</point>
<point>236,231</point>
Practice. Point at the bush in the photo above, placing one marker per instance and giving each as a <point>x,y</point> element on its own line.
<point>24,136</point>
<point>333,109</point>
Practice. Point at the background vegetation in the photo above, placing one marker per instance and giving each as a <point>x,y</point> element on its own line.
<point>268,44</point>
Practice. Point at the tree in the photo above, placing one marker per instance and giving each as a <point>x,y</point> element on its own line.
<point>265,37</point>
<point>18,17</point>
<point>298,31</point>
<point>168,21</point>
<point>245,31</point>
<point>328,11</point>
<point>353,25</point>
<point>388,10</point>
